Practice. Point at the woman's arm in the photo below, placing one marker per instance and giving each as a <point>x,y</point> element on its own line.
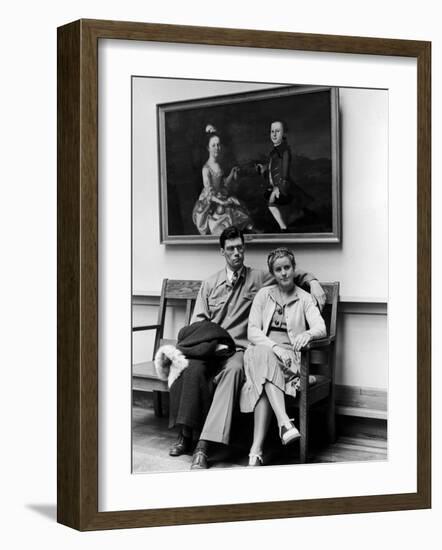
<point>255,333</point>
<point>208,186</point>
<point>207,180</point>
<point>315,323</point>
<point>233,175</point>
<point>314,319</point>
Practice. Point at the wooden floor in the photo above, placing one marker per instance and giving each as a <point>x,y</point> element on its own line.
<point>357,441</point>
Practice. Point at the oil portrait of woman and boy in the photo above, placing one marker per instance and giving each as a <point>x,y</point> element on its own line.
<point>265,162</point>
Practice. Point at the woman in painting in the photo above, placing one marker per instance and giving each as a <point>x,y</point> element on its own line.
<point>277,331</point>
<point>216,208</point>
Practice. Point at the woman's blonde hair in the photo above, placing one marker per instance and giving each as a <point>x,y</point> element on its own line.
<point>280,253</point>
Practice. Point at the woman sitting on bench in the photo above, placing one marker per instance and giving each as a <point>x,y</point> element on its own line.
<point>277,331</point>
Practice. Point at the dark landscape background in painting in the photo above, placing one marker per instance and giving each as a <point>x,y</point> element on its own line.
<point>244,128</point>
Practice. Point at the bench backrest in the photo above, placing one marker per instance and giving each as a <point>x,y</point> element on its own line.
<point>182,291</point>
<point>185,292</point>
<point>330,310</point>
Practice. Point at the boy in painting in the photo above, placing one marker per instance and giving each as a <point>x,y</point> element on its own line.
<point>277,174</point>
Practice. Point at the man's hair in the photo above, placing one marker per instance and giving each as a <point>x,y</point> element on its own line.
<point>285,127</point>
<point>231,232</point>
<point>280,253</point>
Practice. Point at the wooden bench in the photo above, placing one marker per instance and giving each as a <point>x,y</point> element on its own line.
<point>144,377</point>
<point>318,358</point>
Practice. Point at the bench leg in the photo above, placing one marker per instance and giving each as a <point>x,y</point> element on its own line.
<point>157,403</point>
<point>303,408</point>
<point>331,419</point>
<point>303,448</point>
<point>331,410</point>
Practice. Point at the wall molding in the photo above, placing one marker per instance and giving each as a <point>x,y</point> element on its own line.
<point>347,306</point>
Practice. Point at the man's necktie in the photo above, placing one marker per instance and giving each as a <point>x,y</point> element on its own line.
<point>234,278</point>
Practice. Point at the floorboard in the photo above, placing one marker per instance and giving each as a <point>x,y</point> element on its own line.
<point>152,440</point>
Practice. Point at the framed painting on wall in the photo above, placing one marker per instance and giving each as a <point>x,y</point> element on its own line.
<point>266,161</point>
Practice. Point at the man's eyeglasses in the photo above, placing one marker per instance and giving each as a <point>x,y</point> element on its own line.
<point>240,248</point>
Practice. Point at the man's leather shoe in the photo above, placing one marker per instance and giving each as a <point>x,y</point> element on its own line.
<point>181,446</point>
<point>199,460</point>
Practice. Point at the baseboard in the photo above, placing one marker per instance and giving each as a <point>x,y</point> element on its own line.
<point>353,401</point>
<point>361,402</point>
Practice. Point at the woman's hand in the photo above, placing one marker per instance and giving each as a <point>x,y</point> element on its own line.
<point>233,200</point>
<point>301,340</point>
<point>234,173</point>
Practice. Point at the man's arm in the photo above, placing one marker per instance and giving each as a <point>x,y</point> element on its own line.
<point>317,293</point>
<point>303,278</point>
<point>309,281</point>
<point>201,310</point>
<point>267,279</point>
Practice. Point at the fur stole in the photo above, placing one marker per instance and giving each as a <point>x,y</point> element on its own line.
<point>169,363</point>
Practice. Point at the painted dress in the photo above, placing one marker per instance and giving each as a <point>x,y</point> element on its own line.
<point>209,216</point>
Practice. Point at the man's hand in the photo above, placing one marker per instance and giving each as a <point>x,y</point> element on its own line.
<point>318,294</point>
<point>260,168</point>
<point>301,340</point>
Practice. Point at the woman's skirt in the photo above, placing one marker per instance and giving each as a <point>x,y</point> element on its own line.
<point>261,365</point>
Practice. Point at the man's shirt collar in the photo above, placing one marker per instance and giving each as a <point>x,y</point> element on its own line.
<point>229,273</point>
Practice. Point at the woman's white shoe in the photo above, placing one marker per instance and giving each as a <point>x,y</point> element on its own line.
<point>255,460</point>
<point>289,433</point>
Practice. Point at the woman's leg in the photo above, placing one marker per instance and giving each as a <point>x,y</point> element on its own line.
<point>262,393</point>
<point>261,418</point>
<point>287,430</point>
<point>276,399</point>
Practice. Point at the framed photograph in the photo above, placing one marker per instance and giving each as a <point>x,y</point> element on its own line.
<point>196,204</point>
<point>315,148</point>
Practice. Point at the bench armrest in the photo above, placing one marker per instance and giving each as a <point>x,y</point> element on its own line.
<point>145,327</point>
<point>320,343</point>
